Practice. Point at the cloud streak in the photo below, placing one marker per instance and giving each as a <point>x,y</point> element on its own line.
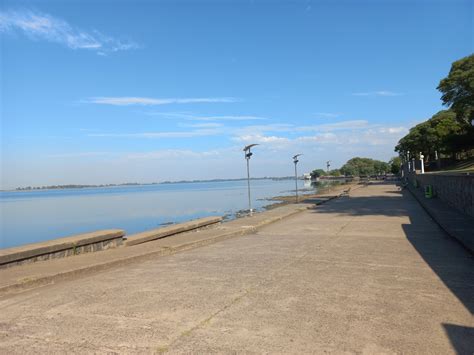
<point>261,139</point>
<point>175,134</point>
<point>385,93</point>
<point>80,155</point>
<point>349,125</point>
<point>191,117</point>
<point>40,26</point>
<point>326,115</point>
<point>148,101</point>
<point>172,154</point>
<point>381,136</point>
<point>337,126</point>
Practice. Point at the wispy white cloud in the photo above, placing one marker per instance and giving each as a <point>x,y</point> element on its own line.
<point>378,93</point>
<point>179,114</point>
<point>193,117</point>
<point>229,118</point>
<point>202,125</point>
<point>259,138</point>
<point>326,115</point>
<point>373,136</point>
<point>291,128</point>
<point>394,130</point>
<point>173,134</point>
<point>265,128</point>
<point>328,137</point>
<point>147,101</point>
<point>336,126</point>
<point>79,155</point>
<point>347,134</point>
<point>171,154</point>
<point>40,26</point>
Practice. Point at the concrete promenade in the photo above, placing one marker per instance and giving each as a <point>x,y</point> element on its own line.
<point>369,273</point>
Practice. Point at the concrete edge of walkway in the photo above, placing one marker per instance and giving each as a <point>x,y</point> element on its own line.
<point>164,232</point>
<point>454,223</point>
<point>27,283</point>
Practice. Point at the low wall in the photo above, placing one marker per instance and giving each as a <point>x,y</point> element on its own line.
<point>62,247</point>
<point>456,190</point>
<point>95,241</point>
<point>163,232</point>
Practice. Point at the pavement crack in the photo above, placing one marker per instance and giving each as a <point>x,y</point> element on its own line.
<point>208,319</point>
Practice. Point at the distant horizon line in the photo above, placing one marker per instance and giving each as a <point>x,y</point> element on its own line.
<point>79,186</point>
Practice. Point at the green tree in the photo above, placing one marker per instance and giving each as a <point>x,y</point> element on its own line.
<point>458,89</point>
<point>364,166</point>
<point>317,173</point>
<point>395,163</point>
<point>440,133</point>
<point>335,172</point>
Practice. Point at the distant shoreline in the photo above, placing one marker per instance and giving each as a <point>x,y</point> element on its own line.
<point>81,186</point>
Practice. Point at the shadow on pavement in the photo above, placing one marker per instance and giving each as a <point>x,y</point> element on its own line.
<point>454,265</point>
<point>461,337</point>
<point>451,262</point>
<point>368,205</point>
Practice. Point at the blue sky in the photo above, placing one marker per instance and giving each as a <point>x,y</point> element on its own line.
<point>110,92</point>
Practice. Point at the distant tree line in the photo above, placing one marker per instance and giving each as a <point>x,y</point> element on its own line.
<point>449,132</point>
<point>72,186</point>
<point>362,167</point>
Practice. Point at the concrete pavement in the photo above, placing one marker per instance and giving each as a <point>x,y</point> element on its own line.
<point>369,273</point>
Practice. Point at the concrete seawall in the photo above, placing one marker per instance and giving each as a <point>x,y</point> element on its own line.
<point>62,247</point>
<point>92,242</point>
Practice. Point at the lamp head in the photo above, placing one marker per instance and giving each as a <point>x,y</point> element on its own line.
<point>247,147</point>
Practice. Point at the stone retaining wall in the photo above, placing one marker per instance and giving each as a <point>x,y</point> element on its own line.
<point>455,190</point>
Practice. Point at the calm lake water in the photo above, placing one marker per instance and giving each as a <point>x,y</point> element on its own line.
<point>33,216</point>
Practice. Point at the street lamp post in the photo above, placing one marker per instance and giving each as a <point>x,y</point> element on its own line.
<point>248,154</point>
<point>295,160</point>
<point>408,160</point>
<point>422,163</point>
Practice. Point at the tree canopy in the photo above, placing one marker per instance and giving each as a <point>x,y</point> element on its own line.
<point>439,133</point>
<point>395,163</point>
<point>448,131</point>
<point>364,166</point>
<point>317,173</point>
<point>458,89</point>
